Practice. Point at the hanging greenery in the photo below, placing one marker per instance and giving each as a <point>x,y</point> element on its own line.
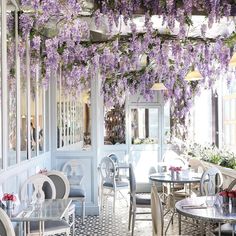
<point>170,57</point>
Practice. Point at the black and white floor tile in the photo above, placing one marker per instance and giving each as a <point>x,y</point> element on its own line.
<point>109,224</point>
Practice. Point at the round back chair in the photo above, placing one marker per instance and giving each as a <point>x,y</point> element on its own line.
<point>6,227</point>
<point>61,183</point>
<point>211,181</point>
<point>232,185</point>
<point>107,170</point>
<point>36,183</point>
<point>157,213</point>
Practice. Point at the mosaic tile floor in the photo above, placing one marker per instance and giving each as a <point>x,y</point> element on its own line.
<point>110,224</point>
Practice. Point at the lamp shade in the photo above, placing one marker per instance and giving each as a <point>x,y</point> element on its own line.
<point>232,62</point>
<point>193,76</point>
<point>158,86</point>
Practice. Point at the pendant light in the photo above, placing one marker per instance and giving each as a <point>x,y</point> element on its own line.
<point>158,87</point>
<point>232,62</point>
<point>193,75</point>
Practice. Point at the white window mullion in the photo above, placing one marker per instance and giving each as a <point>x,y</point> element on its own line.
<point>18,90</point>
<point>4,85</point>
<point>37,110</point>
<point>28,98</point>
<point>44,124</point>
<point>60,113</point>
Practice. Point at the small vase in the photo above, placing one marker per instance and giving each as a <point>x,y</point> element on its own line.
<point>9,204</point>
<point>172,174</point>
<point>177,175</point>
<point>233,201</point>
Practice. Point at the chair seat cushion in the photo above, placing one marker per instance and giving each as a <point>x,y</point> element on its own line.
<point>77,192</point>
<point>226,229</point>
<point>50,226</point>
<point>119,184</point>
<point>143,199</point>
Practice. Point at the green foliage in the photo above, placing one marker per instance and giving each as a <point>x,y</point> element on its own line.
<point>212,154</point>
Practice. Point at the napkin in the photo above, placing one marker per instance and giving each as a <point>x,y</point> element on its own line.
<point>194,206</point>
<point>24,214</point>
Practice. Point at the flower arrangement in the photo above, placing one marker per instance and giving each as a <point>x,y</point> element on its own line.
<point>9,197</point>
<point>43,171</point>
<point>175,169</point>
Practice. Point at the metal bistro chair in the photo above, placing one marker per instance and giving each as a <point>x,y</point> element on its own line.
<point>137,200</point>
<point>74,171</point>
<point>6,227</point>
<point>211,182</point>
<point>108,180</point>
<point>62,186</point>
<point>35,184</point>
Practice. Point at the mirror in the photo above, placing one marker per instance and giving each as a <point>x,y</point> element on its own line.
<point>114,122</point>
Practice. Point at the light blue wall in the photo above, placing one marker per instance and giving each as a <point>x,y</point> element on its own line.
<point>13,177</point>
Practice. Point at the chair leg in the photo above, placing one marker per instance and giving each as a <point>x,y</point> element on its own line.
<point>133,222</point>
<point>101,197</point>
<point>130,212</point>
<point>114,202</point>
<point>83,210</point>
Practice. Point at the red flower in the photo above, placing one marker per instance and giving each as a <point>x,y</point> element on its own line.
<point>232,194</point>
<point>224,193</point>
<point>9,197</point>
<point>173,168</point>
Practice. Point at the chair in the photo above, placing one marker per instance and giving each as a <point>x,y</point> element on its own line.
<point>137,200</point>
<point>74,172</point>
<point>157,213</point>
<point>211,182</point>
<point>62,192</point>
<point>6,227</point>
<point>108,180</point>
<point>36,183</point>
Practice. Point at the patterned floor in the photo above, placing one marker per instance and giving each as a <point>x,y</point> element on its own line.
<point>110,224</point>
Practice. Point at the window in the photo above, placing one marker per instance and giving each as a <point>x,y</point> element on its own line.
<point>73,118</point>
<point>144,126</point>
<point>229,116</point>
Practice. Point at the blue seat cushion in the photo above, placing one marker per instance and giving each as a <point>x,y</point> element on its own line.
<point>77,192</point>
<point>118,184</point>
<point>143,199</point>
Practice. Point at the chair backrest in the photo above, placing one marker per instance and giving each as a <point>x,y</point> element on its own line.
<point>107,170</point>
<point>132,180</point>
<point>157,213</point>
<point>114,158</point>
<point>36,183</point>
<point>173,159</point>
<point>232,185</point>
<point>211,181</point>
<point>61,183</point>
<point>6,227</point>
<point>73,168</point>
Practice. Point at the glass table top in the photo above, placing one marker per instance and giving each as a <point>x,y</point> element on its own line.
<point>46,210</point>
<point>165,177</point>
<point>199,208</point>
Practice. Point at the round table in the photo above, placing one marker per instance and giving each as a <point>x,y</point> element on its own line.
<point>188,177</point>
<point>196,208</point>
